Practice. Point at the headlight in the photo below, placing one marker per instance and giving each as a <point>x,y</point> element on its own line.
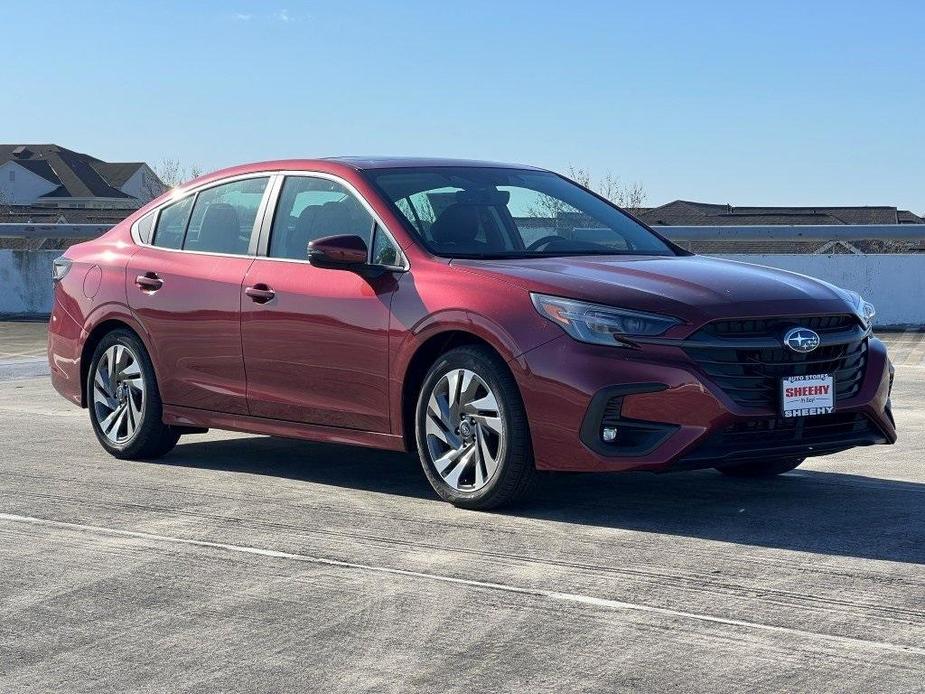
<point>863,309</point>
<point>600,325</point>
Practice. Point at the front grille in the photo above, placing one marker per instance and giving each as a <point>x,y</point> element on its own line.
<point>780,431</point>
<point>771,327</point>
<point>764,438</point>
<point>750,375</point>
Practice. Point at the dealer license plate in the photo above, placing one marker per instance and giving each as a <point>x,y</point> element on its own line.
<point>804,396</point>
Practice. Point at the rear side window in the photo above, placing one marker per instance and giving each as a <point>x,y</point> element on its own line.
<point>312,208</point>
<point>171,223</point>
<point>223,217</point>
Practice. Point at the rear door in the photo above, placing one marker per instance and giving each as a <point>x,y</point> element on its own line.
<point>185,289</point>
<point>316,341</point>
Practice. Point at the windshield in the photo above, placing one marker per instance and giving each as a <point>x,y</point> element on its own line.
<point>508,213</point>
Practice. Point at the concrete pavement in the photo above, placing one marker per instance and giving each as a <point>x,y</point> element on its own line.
<point>242,563</point>
<point>22,349</point>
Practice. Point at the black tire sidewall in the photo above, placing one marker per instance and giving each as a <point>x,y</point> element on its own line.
<point>516,450</point>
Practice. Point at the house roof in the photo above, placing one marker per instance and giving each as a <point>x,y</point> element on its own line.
<point>688,213</point>
<point>907,217</point>
<point>76,175</point>
<point>117,174</point>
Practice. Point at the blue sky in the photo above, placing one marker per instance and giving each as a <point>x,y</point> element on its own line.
<point>750,103</point>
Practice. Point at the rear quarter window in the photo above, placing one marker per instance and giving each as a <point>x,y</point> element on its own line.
<point>144,227</point>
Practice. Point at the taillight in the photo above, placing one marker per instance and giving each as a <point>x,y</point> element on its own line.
<point>59,268</point>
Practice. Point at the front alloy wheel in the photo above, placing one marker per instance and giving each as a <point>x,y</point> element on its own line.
<point>465,433</point>
<point>471,430</point>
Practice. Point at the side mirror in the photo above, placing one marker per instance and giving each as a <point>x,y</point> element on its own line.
<point>339,253</point>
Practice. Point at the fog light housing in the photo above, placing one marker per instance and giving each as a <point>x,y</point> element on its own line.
<point>609,434</point>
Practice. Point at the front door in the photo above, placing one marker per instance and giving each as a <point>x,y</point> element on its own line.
<point>316,342</point>
<point>185,290</point>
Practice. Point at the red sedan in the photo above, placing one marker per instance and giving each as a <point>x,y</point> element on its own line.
<point>498,319</point>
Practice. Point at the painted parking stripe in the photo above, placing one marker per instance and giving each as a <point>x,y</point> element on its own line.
<point>486,585</point>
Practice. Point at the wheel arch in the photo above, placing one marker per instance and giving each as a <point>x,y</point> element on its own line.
<point>94,337</point>
<point>420,363</point>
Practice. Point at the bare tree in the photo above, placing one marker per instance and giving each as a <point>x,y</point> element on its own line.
<point>172,172</point>
<point>151,185</point>
<point>627,195</point>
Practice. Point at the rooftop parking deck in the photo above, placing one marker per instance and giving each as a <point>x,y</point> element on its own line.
<point>239,560</point>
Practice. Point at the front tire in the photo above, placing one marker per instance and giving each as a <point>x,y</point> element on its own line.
<point>471,428</point>
<point>761,468</point>
<point>124,402</point>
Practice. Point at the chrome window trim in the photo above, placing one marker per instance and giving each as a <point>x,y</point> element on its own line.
<point>194,192</point>
<point>270,214</point>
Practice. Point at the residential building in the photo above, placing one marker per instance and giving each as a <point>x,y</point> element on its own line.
<point>48,183</point>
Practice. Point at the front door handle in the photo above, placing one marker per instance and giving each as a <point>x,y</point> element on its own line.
<point>149,282</point>
<point>260,293</point>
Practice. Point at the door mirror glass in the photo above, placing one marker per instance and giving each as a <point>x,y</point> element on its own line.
<point>346,252</point>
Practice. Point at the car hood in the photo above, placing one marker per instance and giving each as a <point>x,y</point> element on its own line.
<point>693,288</point>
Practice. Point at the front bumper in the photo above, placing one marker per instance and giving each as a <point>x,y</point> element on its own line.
<point>671,416</point>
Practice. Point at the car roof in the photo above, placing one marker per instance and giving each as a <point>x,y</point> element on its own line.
<point>384,162</point>
<point>340,165</point>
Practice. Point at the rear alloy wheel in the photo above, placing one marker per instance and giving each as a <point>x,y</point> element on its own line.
<point>761,468</point>
<point>125,406</point>
<point>118,394</point>
<point>471,431</point>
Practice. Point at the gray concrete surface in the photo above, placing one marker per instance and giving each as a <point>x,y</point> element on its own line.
<point>23,349</point>
<point>244,564</point>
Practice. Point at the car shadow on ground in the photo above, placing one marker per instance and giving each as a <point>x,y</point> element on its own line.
<point>805,510</point>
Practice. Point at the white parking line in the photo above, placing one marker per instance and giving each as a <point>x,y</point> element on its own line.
<point>25,368</point>
<point>533,592</point>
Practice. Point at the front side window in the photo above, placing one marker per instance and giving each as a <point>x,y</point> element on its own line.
<point>223,217</point>
<point>171,223</point>
<point>476,212</point>
<point>311,208</point>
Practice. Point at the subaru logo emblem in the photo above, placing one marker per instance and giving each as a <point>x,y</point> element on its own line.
<point>801,340</point>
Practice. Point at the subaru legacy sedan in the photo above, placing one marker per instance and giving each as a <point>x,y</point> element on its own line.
<point>500,320</point>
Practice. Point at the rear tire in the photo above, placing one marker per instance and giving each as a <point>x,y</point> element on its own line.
<point>471,428</point>
<point>124,402</point>
<point>761,468</point>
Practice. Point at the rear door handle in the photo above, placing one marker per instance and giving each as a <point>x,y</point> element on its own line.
<point>149,282</point>
<point>260,293</point>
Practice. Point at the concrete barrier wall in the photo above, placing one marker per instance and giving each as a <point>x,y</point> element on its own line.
<point>25,282</point>
<point>894,283</point>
